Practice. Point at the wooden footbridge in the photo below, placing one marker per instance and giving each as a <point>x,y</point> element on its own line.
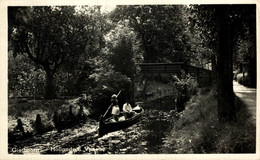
<point>203,76</point>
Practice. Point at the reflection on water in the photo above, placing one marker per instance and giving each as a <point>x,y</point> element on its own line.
<point>156,132</point>
<point>153,127</point>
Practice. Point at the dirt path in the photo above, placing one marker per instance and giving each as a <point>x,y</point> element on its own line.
<point>247,95</point>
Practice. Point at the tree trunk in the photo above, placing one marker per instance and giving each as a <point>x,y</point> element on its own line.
<point>213,75</point>
<point>225,93</point>
<point>132,91</point>
<point>50,91</point>
<point>252,72</point>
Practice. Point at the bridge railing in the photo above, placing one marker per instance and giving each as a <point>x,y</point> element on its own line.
<point>203,76</point>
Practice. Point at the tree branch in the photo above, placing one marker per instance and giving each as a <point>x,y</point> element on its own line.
<point>34,59</point>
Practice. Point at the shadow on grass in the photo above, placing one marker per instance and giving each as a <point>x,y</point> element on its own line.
<point>243,114</point>
<point>238,136</point>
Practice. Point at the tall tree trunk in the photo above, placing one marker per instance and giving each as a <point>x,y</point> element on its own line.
<point>225,93</point>
<point>213,75</point>
<point>132,93</point>
<point>50,91</point>
<point>252,72</point>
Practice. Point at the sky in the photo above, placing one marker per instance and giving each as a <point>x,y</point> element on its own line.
<point>107,8</point>
<point>104,8</point>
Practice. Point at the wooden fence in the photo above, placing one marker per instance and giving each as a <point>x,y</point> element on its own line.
<point>203,76</point>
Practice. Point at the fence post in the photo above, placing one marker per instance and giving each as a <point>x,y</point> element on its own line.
<point>81,112</point>
<point>70,111</point>
<point>38,124</point>
<point>57,121</point>
<point>20,125</point>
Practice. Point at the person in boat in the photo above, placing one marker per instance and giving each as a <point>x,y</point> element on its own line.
<point>114,98</point>
<point>127,110</point>
<point>115,108</point>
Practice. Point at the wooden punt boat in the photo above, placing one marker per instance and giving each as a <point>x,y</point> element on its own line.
<point>106,126</point>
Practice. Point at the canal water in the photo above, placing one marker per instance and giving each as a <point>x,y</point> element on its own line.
<point>145,137</point>
<point>155,125</point>
<point>156,130</point>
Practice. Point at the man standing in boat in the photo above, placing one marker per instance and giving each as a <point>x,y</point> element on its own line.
<point>115,108</point>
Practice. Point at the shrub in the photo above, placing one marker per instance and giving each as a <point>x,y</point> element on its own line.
<point>28,83</point>
<point>107,84</point>
<point>240,78</point>
<point>243,80</point>
<point>192,124</point>
<point>186,86</point>
<point>46,122</point>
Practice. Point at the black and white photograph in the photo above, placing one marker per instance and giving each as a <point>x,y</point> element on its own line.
<point>131,79</point>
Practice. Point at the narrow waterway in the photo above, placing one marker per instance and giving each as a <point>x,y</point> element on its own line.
<point>152,140</point>
<point>145,137</point>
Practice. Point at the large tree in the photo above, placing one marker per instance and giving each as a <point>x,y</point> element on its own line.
<point>224,45</point>
<point>52,37</point>
<point>224,23</point>
<point>160,28</point>
<point>123,53</point>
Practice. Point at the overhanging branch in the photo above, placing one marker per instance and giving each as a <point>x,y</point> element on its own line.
<point>34,59</point>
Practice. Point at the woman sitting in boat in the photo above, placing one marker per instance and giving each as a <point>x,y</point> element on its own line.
<point>115,108</point>
<point>127,110</point>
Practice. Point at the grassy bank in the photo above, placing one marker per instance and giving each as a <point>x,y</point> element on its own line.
<point>197,130</point>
